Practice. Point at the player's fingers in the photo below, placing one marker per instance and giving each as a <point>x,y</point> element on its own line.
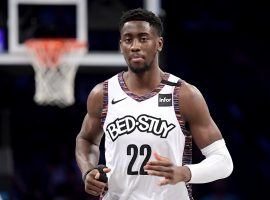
<point>97,176</point>
<point>158,168</point>
<point>99,184</point>
<point>96,183</point>
<point>92,174</point>
<point>92,192</point>
<point>160,163</point>
<point>92,189</point>
<point>106,170</point>
<point>157,173</point>
<point>164,182</point>
<point>159,157</point>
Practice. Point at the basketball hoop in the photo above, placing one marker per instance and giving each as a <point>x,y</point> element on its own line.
<point>55,62</point>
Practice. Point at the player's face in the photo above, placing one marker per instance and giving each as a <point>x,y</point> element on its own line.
<point>140,45</point>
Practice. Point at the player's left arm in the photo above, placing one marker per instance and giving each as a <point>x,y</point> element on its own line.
<point>207,136</point>
<point>217,164</point>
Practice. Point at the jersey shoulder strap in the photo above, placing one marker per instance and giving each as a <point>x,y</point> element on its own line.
<point>172,81</point>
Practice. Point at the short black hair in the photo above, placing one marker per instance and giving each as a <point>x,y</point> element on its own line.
<point>140,14</point>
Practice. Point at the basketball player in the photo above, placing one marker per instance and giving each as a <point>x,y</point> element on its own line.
<point>143,113</point>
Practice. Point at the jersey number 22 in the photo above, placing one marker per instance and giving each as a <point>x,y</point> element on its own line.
<point>137,150</point>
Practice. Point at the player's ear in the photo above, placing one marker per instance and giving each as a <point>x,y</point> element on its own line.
<point>160,44</point>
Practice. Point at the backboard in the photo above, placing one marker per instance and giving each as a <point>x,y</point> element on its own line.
<point>72,18</point>
<point>45,15</point>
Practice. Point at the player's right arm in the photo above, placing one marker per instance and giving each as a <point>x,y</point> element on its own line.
<point>88,141</point>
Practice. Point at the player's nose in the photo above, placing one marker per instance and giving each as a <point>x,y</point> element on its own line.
<point>136,45</point>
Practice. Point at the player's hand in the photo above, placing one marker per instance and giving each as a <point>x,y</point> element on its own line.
<point>163,167</point>
<point>93,185</point>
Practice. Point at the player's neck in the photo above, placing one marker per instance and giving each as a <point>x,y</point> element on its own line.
<point>143,83</point>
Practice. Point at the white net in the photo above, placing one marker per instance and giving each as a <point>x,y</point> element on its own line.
<point>55,64</point>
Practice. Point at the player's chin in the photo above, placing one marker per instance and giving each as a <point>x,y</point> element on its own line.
<point>138,68</point>
<point>136,64</point>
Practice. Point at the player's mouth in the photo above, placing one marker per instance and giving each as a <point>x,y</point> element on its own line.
<point>136,58</point>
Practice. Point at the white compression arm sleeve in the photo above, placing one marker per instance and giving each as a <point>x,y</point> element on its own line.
<point>217,164</point>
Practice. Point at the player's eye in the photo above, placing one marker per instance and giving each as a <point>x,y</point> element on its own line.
<point>127,40</point>
<point>143,39</point>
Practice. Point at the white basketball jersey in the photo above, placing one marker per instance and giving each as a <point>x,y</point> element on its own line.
<point>135,127</point>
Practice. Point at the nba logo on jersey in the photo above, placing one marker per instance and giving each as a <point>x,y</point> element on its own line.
<point>165,100</point>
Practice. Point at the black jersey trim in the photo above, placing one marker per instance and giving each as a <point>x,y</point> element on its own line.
<point>170,83</point>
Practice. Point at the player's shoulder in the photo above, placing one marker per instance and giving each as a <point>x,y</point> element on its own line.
<point>188,91</point>
<point>191,100</point>
<point>97,90</point>
<point>185,89</point>
<point>95,98</point>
